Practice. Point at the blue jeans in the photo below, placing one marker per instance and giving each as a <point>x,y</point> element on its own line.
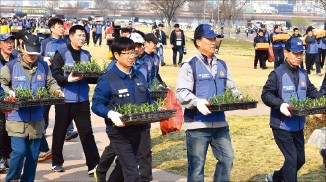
<point>198,141</point>
<point>23,148</point>
<point>159,51</point>
<point>175,50</point>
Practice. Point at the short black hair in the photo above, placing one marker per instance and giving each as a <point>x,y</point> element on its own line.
<point>54,21</point>
<point>125,30</point>
<point>276,27</point>
<point>74,28</point>
<point>260,30</point>
<point>122,44</point>
<point>176,25</point>
<point>295,29</point>
<point>160,25</point>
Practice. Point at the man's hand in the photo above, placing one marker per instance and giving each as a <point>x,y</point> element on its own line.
<point>115,118</point>
<point>12,94</point>
<point>72,78</point>
<point>202,106</point>
<point>59,93</point>
<point>285,109</point>
<point>319,116</point>
<point>48,60</point>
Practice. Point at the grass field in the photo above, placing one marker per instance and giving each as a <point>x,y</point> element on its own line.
<point>256,153</point>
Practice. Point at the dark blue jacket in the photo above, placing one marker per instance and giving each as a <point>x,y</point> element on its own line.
<point>161,37</point>
<point>153,63</point>
<point>115,87</point>
<point>311,45</point>
<point>217,85</point>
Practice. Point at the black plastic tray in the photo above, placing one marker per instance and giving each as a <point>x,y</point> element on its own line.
<point>233,106</point>
<point>307,111</point>
<point>6,105</point>
<point>158,94</point>
<point>147,117</point>
<point>41,102</point>
<point>86,74</point>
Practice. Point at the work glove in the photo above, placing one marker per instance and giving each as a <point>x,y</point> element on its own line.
<point>59,93</point>
<point>72,78</point>
<point>202,106</point>
<point>285,109</point>
<point>115,118</point>
<point>12,94</point>
<point>48,60</point>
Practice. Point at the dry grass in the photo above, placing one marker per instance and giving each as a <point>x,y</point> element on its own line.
<point>256,153</point>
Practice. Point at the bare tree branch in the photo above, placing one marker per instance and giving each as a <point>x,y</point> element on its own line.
<point>50,6</point>
<point>197,8</point>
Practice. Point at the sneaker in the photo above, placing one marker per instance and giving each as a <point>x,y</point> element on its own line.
<point>58,168</point>
<point>91,172</point>
<point>255,67</point>
<point>163,64</point>
<point>175,65</point>
<point>4,163</point>
<point>99,177</point>
<point>264,67</point>
<point>71,135</point>
<point>44,156</point>
<point>269,178</point>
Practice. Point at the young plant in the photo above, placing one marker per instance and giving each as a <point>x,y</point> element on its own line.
<point>42,92</point>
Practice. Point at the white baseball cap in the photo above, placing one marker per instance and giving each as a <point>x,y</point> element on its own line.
<point>137,38</point>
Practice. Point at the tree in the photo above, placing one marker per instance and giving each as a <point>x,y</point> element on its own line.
<point>71,10</point>
<point>197,7</point>
<point>227,11</point>
<point>133,6</point>
<point>166,8</point>
<point>50,6</point>
<point>300,22</point>
<point>102,6</point>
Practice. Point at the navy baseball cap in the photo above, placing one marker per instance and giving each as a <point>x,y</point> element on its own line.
<point>32,44</point>
<point>6,36</point>
<point>204,30</point>
<point>150,37</point>
<point>294,45</point>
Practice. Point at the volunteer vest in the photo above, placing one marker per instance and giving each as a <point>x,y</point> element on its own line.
<point>287,89</point>
<point>75,91</point>
<point>98,29</point>
<point>312,48</point>
<point>322,43</point>
<point>206,86</point>
<point>20,80</point>
<point>141,66</point>
<point>277,44</point>
<point>28,24</point>
<point>52,45</point>
<point>88,28</point>
<point>120,94</point>
<point>148,61</point>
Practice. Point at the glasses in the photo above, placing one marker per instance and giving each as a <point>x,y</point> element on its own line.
<point>129,53</point>
<point>9,43</point>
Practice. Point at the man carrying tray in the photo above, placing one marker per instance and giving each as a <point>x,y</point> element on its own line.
<point>25,126</point>
<point>286,81</point>
<point>202,78</point>
<point>260,55</point>
<point>122,84</point>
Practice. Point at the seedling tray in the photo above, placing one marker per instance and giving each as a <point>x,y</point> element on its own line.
<point>307,111</point>
<point>233,106</point>
<point>86,74</point>
<point>147,117</point>
<point>40,102</point>
<point>7,105</point>
<point>159,94</point>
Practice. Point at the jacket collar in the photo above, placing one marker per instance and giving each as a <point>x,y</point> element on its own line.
<point>203,58</point>
<point>121,74</point>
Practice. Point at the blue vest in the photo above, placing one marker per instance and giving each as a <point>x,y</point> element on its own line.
<point>322,43</point>
<point>141,66</point>
<point>20,80</point>
<point>75,91</point>
<point>88,28</point>
<point>278,44</point>
<point>151,68</point>
<point>312,48</point>
<point>51,45</point>
<point>120,95</point>
<point>99,29</point>
<point>286,89</point>
<point>206,86</point>
<point>28,24</point>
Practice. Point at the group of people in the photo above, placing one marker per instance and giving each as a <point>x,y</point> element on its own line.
<point>315,48</point>
<point>133,70</point>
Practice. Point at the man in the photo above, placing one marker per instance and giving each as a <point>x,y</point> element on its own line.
<point>286,81</point>
<point>77,105</point>
<point>204,77</point>
<point>260,54</point>
<point>322,50</point>
<point>74,21</point>
<point>4,26</point>
<point>160,34</point>
<point>124,140</point>
<point>67,25</point>
<point>125,32</point>
<point>7,43</point>
<point>277,47</point>
<point>88,28</point>
<point>312,52</point>
<point>177,42</point>
<point>25,126</point>
<point>98,33</point>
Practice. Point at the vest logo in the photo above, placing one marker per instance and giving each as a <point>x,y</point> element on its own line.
<point>139,84</point>
<point>39,77</point>
<point>288,88</point>
<point>20,78</point>
<point>299,43</point>
<point>303,84</point>
<point>203,76</point>
<point>221,73</point>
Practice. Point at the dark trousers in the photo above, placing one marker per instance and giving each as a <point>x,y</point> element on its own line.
<point>279,56</point>
<point>5,141</point>
<point>311,59</point>
<point>87,38</point>
<point>80,113</point>
<point>126,147</point>
<point>261,56</point>
<point>109,43</point>
<point>322,54</point>
<point>291,145</point>
<point>98,37</point>
<point>175,50</point>
<point>93,37</point>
